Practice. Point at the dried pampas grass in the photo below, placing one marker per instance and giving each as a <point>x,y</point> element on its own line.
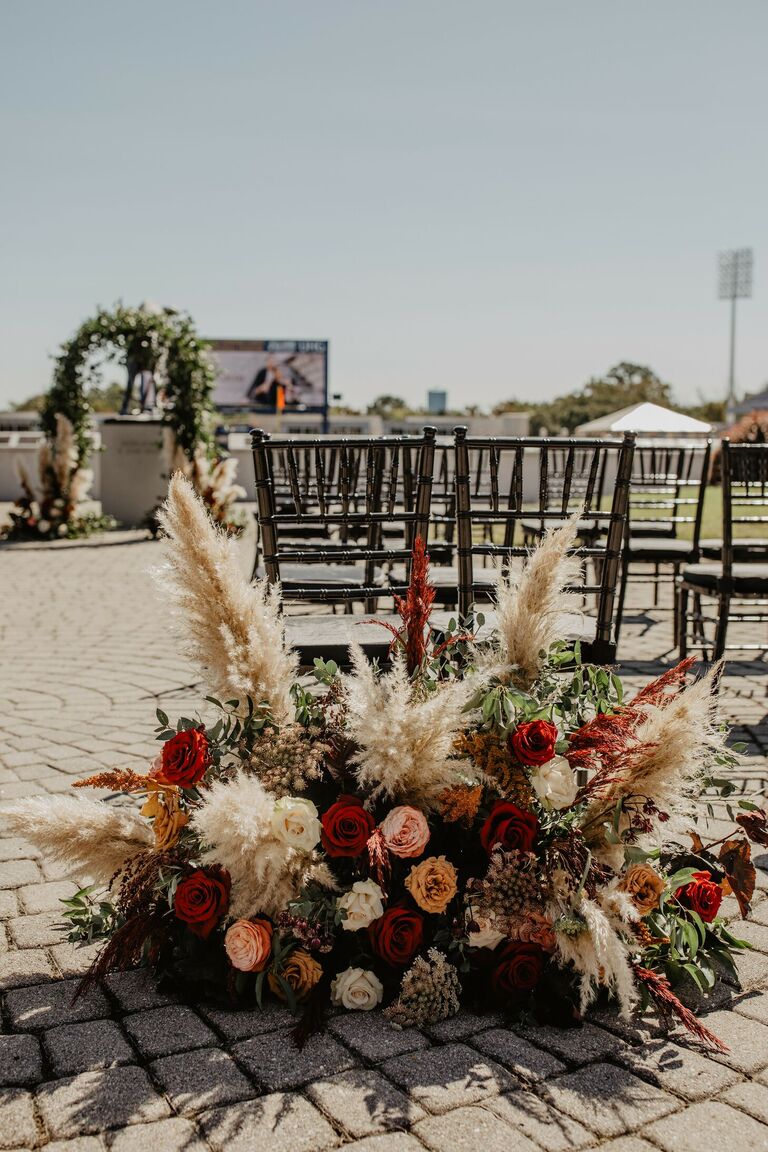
<point>214,482</point>
<point>234,825</point>
<point>600,952</point>
<point>231,629</point>
<point>405,741</point>
<point>93,838</point>
<point>665,756</point>
<point>530,604</point>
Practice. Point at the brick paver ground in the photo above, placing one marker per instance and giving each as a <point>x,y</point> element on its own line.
<point>86,657</point>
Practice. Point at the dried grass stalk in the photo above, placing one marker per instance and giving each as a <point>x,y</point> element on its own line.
<point>234,824</point>
<point>230,628</point>
<point>405,740</point>
<point>665,757</point>
<point>530,604</point>
<point>93,838</point>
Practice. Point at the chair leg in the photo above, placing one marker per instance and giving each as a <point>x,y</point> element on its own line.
<point>682,621</point>
<point>675,601</point>
<point>655,585</point>
<point>723,607</point>
<point>622,595</point>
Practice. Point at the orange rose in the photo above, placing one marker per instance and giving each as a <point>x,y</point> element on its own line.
<point>248,943</point>
<point>301,972</point>
<point>432,884</point>
<point>644,885</point>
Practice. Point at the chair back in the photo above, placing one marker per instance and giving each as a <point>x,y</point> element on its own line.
<point>667,489</point>
<point>544,480</point>
<point>347,488</point>
<point>745,503</point>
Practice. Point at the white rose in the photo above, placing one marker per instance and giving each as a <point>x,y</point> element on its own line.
<point>486,935</point>
<point>362,904</point>
<point>357,989</point>
<point>295,822</point>
<point>555,783</point>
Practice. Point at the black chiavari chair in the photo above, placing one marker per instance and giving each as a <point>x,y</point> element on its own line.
<point>342,493</point>
<point>737,583</point>
<point>492,524</point>
<point>666,502</point>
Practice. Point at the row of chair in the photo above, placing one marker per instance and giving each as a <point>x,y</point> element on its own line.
<point>337,518</point>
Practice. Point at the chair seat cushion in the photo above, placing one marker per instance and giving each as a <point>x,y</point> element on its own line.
<point>746,578</point>
<point>743,548</point>
<point>320,575</point>
<point>640,527</point>
<point>660,549</point>
<point>329,637</point>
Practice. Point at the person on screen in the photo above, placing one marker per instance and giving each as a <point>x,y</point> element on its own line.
<point>272,386</point>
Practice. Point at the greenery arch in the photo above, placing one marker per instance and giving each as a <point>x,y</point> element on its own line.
<point>162,341</point>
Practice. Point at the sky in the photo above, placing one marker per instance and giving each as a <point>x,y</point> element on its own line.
<point>495,198</point>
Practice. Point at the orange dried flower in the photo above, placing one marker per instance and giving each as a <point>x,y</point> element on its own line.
<point>117,779</point>
<point>460,804</point>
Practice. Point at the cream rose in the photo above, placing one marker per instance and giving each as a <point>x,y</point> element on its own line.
<point>555,783</point>
<point>363,904</point>
<point>357,989</point>
<point>295,822</point>
<point>248,943</point>
<point>405,831</point>
<point>432,884</point>
<point>485,935</point>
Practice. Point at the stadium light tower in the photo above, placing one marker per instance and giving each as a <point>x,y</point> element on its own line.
<point>734,282</point>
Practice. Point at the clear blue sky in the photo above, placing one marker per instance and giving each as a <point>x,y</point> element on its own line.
<point>495,197</point>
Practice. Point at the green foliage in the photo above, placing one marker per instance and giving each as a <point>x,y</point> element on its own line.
<point>685,946</point>
<point>91,916</point>
<point>149,340</point>
<point>625,384</point>
<point>389,407</point>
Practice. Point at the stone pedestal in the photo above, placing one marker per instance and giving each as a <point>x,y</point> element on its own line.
<point>133,470</point>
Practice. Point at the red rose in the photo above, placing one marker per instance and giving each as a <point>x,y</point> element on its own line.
<point>184,758</point>
<point>201,899</point>
<point>517,969</point>
<point>702,895</point>
<point>397,935</point>
<point>509,826</point>
<point>534,742</point>
<point>347,827</point>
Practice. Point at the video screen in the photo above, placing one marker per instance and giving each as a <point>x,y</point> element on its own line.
<point>271,375</point>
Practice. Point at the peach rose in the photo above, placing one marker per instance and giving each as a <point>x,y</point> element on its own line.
<point>301,972</point>
<point>644,885</point>
<point>405,831</point>
<point>248,943</point>
<point>432,884</point>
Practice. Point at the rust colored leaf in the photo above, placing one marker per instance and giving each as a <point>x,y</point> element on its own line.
<point>739,872</point>
<point>755,824</point>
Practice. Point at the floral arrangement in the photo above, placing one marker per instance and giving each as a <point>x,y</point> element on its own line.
<point>491,825</point>
<point>50,510</point>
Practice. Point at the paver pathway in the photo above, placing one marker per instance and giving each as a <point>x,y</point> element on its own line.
<point>85,656</point>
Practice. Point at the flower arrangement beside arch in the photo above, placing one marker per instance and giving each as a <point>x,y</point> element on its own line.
<point>161,341</point>
<point>491,826</point>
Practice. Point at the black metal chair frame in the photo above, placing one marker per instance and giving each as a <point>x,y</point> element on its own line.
<point>375,483</point>
<point>745,486</point>
<point>572,492</point>
<point>660,475</point>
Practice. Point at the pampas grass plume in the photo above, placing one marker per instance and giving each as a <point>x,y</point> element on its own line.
<point>230,628</point>
<point>530,604</point>
<point>234,825</point>
<point>92,838</point>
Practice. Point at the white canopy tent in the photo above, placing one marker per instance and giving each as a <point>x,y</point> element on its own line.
<point>647,420</point>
